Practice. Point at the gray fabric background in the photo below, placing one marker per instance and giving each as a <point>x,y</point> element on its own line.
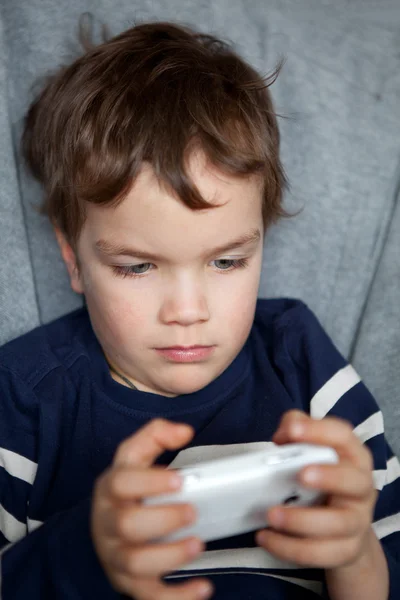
<point>339,94</point>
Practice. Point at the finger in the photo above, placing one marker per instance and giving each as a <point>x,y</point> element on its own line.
<point>144,523</point>
<point>283,433</point>
<point>342,479</point>
<point>309,552</point>
<point>155,560</point>
<point>152,589</point>
<point>142,448</point>
<point>318,522</point>
<point>330,431</point>
<point>130,483</point>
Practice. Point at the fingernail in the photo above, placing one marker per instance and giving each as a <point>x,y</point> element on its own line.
<point>260,538</point>
<point>189,514</point>
<point>175,481</point>
<point>311,475</point>
<point>297,429</point>
<point>194,547</point>
<point>276,517</point>
<point>204,591</point>
<point>182,428</point>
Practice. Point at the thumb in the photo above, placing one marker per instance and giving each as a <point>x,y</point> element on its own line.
<point>144,446</point>
<point>284,433</point>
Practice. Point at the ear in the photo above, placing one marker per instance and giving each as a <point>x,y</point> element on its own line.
<point>71,262</point>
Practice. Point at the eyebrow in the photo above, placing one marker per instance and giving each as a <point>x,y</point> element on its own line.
<point>114,249</point>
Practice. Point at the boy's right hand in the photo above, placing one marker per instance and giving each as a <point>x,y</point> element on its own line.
<point>123,528</point>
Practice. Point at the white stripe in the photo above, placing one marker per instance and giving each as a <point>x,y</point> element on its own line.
<point>386,476</point>
<point>10,527</point>
<point>313,585</point>
<point>17,465</point>
<point>245,558</point>
<point>370,428</point>
<point>379,476</point>
<point>32,525</point>
<point>386,526</point>
<point>393,470</point>
<point>327,396</point>
<point>4,549</point>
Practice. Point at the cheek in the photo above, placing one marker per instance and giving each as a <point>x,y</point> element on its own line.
<point>116,310</point>
<point>124,314</point>
<point>129,312</point>
<point>240,313</point>
<point>115,322</point>
<point>117,298</point>
<point>237,307</point>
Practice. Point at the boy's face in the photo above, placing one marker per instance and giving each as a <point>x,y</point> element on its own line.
<point>170,306</point>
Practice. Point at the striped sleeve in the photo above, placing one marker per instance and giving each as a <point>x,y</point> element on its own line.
<point>18,456</point>
<point>38,561</point>
<point>331,387</point>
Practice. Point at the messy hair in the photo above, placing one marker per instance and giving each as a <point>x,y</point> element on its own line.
<point>153,93</point>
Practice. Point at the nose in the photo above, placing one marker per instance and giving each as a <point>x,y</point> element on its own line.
<point>185,302</point>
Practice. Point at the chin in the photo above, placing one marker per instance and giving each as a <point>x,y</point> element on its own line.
<point>186,388</point>
<point>188,383</point>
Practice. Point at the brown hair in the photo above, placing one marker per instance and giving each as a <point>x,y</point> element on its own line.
<point>151,94</point>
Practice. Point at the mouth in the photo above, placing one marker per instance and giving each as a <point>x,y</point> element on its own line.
<point>186,354</point>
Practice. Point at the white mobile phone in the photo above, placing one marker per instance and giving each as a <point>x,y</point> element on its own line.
<point>231,495</point>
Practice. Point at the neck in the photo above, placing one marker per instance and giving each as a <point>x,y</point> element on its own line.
<point>128,382</point>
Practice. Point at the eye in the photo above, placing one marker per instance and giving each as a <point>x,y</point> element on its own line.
<point>132,270</point>
<point>224,263</point>
<point>228,264</point>
<point>139,269</point>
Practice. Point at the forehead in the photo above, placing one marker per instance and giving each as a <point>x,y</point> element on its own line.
<point>154,219</point>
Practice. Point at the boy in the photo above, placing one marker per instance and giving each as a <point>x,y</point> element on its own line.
<point>159,156</point>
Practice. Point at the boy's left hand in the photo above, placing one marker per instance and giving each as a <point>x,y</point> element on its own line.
<point>337,533</point>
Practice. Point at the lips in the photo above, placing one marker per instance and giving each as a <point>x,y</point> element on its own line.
<point>186,354</point>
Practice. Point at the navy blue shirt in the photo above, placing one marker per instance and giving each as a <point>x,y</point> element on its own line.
<point>62,417</point>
